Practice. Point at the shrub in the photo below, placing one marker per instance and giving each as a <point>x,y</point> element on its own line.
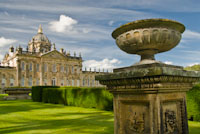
<point>193,103</point>
<point>37,92</point>
<point>53,95</point>
<point>75,96</point>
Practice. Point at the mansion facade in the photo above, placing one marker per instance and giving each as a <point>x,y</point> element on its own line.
<point>42,64</point>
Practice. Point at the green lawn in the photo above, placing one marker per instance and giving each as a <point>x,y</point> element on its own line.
<point>27,117</point>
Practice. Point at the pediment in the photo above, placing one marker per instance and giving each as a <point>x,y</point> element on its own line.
<point>54,55</point>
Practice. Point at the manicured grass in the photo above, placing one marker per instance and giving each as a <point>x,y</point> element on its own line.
<point>27,117</point>
<point>194,127</point>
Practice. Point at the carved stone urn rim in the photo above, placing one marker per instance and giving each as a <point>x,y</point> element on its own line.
<point>147,23</point>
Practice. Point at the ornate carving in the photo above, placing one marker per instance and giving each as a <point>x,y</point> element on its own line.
<point>170,122</point>
<point>136,123</point>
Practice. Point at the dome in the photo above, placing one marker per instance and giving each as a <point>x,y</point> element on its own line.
<point>40,37</point>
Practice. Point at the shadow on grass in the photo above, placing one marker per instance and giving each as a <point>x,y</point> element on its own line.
<point>65,121</point>
<point>84,125</point>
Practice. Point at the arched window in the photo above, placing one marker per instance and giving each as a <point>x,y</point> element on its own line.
<point>53,82</point>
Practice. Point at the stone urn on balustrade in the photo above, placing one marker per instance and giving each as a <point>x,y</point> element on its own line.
<point>149,96</point>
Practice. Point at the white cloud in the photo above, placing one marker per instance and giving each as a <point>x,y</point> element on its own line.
<point>65,23</point>
<point>188,34</point>
<point>168,62</point>
<point>5,42</point>
<point>104,64</point>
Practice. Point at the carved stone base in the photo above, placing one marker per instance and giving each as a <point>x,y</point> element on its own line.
<point>150,99</point>
<point>150,113</point>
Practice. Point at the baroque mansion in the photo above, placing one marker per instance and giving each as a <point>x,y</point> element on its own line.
<point>42,64</point>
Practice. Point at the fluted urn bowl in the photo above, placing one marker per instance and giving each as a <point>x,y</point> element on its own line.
<point>148,37</point>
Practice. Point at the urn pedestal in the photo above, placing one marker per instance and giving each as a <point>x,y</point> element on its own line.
<point>149,96</point>
<point>150,99</point>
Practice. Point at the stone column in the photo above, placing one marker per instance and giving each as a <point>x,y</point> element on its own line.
<point>41,72</point>
<point>150,99</point>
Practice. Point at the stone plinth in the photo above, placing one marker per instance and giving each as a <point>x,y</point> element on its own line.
<point>150,98</point>
<point>17,93</point>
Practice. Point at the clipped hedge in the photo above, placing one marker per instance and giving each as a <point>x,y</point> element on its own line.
<point>193,103</point>
<point>76,96</point>
<point>37,92</point>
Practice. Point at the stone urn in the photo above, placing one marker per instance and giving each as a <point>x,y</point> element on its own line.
<point>148,37</point>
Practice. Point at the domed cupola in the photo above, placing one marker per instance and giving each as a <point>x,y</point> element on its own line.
<point>39,42</point>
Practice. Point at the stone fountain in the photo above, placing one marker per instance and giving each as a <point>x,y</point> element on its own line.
<point>149,96</point>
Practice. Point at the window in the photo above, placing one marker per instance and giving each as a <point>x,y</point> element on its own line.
<point>83,82</point>
<point>30,81</point>
<point>62,82</point>
<point>54,68</point>
<point>67,82</point>
<point>37,67</point>
<point>88,82</point>
<point>3,82</point>
<point>72,82</point>
<point>61,68</point>
<point>22,65</point>
<point>78,83</point>
<point>37,82</point>
<point>30,67</point>
<point>53,81</point>
<point>96,83</point>
<point>45,82</point>
<point>72,69</point>
<point>11,82</point>
<point>45,67</point>
<point>92,82</point>
<point>22,81</point>
<point>66,68</point>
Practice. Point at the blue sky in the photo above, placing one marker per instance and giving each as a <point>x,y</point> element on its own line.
<point>86,25</point>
